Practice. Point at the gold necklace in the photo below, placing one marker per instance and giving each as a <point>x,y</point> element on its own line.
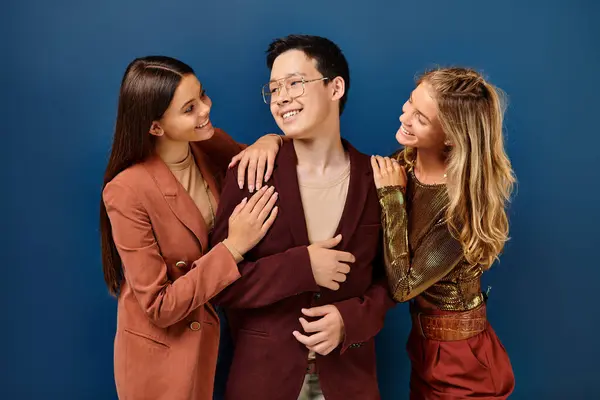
<point>210,206</point>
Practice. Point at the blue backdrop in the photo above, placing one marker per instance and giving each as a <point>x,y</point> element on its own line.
<point>62,62</point>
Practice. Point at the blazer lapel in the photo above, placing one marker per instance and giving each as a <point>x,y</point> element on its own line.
<point>179,200</point>
<point>361,180</point>
<point>207,172</point>
<point>290,202</point>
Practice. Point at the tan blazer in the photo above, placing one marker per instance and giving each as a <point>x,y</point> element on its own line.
<point>167,335</point>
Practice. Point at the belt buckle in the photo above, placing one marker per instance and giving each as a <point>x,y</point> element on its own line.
<point>421,324</point>
<point>311,368</point>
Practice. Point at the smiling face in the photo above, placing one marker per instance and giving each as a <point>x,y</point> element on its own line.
<point>420,126</point>
<point>187,119</point>
<point>301,111</point>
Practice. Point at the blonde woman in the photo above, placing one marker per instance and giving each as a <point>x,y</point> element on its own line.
<point>443,201</point>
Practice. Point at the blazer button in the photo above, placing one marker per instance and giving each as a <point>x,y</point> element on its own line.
<point>317,296</point>
<point>180,264</point>
<point>195,326</point>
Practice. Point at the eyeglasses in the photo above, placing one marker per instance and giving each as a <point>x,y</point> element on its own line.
<point>294,87</point>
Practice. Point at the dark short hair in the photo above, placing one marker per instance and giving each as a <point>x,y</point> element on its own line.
<point>331,62</point>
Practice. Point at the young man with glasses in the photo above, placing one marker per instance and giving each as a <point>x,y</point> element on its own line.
<point>300,332</point>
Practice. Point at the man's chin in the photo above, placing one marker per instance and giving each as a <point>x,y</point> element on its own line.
<point>291,132</point>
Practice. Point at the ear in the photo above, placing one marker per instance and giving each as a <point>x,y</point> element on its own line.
<point>339,87</point>
<point>156,129</point>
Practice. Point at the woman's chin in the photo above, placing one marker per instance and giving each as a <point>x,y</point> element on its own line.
<point>404,140</point>
<point>204,134</point>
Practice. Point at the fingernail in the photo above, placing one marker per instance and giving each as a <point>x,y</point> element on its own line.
<point>251,189</point>
<point>241,185</point>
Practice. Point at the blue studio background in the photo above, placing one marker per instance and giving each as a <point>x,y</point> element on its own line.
<point>62,63</point>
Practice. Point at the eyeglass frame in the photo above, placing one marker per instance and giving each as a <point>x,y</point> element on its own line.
<point>304,81</point>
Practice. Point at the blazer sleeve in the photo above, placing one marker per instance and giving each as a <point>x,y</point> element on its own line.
<point>364,316</point>
<point>145,271</point>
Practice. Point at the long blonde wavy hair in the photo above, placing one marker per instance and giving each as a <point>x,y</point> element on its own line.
<point>479,178</point>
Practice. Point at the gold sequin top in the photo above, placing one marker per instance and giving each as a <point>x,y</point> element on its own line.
<point>421,256</point>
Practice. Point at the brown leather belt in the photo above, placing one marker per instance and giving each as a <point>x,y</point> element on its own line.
<point>450,326</point>
<point>312,367</point>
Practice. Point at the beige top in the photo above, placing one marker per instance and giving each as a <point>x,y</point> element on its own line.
<point>190,177</point>
<point>323,203</point>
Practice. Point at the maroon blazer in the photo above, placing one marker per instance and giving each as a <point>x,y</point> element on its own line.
<point>277,282</point>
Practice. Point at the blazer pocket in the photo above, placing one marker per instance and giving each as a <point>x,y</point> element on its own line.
<point>252,332</point>
<point>148,338</point>
<point>356,345</point>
